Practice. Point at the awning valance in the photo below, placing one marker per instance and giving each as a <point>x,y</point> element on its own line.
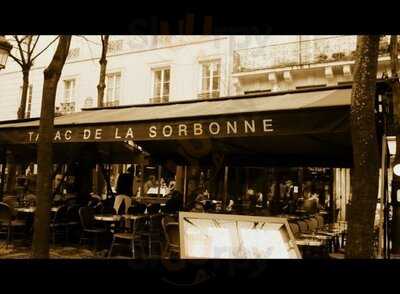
<point>298,128</point>
<point>290,114</point>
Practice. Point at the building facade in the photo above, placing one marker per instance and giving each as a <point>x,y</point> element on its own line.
<point>159,69</point>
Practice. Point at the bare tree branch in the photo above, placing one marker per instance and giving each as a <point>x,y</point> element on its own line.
<point>34,44</point>
<point>87,40</point>
<point>45,48</point>
<point>16,59</point>
<point>20,49</point>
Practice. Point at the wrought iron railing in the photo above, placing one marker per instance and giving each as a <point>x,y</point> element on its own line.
<point>111,103</point>
<point>323,50</point>
<point>209,95</point>
<point>66,108</point>
<point>156,100</point>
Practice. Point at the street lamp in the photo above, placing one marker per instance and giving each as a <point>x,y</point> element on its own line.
<point>5,48</point>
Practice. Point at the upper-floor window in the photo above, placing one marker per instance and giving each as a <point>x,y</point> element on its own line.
<point>28,105</point>
<point>68,104</point>
<point>210,79</point>
<point>73,53</point>
<point>114,46</point>
<point>161,85</point>
<point>113,86</point>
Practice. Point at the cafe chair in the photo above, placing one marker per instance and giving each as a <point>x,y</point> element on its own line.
<point>137,209</point>
<point>11,201</point>
<point>312,224</point>
<point>171,235</point>
<point>303,227</point>
<point>8,223</point>
<point>73,220</point>
<point>86,216</point>
<point>134,237</point>
<point>153,208</point>
<point>295,229</point>
<point>59,223</point>
<point>153,232</point>
<point>320,220</point>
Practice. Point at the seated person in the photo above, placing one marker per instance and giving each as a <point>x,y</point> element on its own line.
<point>230,205</point>
<point>198,207</point>
<point>174,204</point>
<point>151,183</point>
<point>58,199</point>
<point>199,203</point>
<point>124,193</point>
<point>30,199</point>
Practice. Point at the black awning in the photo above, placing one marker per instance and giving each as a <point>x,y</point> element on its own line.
<point>268,130</point>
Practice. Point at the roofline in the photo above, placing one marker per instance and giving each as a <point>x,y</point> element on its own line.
<point>250,96</point>
<point>257,95</point>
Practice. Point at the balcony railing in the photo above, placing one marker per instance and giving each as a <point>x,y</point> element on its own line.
<point>156,100</point>
<point>66,108</point>
<point>111,103</point>
<point>323,50</point>
<point>209,95</point>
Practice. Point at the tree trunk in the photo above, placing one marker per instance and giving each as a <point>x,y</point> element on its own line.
<point>365,151</point>
<point>100,101</point>
<point>40,245</point>
<point>395,230</point>
<point>25,86</point>
<point>103,67</point>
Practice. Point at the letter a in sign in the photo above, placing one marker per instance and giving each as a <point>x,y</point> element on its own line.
<point>129,134</point>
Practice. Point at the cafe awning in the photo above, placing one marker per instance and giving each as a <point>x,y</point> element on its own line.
<point>295,128</point>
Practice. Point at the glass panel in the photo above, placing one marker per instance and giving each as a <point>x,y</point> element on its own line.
<point>205,85</point>
<point>109,93</point>
<point>116,94</point>
<point>166,75</point>
<point>206,70</point>
<point>215,85</point>
<point>216,69</point>
<point>110,87</point>
<point>157,76</point>
<point>117,80</point>
<point>72,89</point>
<point>166,89</point>
<point>157,89</point>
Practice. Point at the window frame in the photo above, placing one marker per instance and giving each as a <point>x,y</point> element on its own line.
<point>106,98</point>
<point>210,92</point>
<point>28,104</point>
<point>72,95</point>
<point>162,82</point>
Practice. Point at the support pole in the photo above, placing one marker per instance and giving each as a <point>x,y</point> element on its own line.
<point>159,179</point>
<point>226,171</point>
<point>381,249</point>
<point>185,186</point>
<point>3,174</point>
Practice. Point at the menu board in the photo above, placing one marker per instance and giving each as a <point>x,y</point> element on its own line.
<point>204,235</point>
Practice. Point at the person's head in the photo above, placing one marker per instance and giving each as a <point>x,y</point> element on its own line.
<point>124,185</point>
<point>130,170</point>
<point>57,179</point>
<point>152,179</point>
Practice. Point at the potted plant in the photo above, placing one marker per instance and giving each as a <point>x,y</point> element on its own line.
<point>338,56</point>
<point>322,57</point>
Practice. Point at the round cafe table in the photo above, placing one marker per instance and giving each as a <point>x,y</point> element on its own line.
<point>33,208</point>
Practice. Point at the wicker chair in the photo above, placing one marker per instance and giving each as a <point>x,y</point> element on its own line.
<point>86,216</point>
<point>134,237</point>
<point>153,232</point>
<point>171,234</point>
<point>7,219</point>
